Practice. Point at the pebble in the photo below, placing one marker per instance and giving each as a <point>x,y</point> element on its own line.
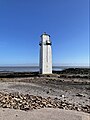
<point>62,96</point>
<point>30,102</point>
<point>80,95</point>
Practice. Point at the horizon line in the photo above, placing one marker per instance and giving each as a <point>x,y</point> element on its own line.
<point>58,66</point>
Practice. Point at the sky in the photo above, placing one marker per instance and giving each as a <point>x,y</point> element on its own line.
<point>23,21</point>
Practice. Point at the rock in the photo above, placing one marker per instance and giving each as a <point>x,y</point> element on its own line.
<point>49,105</point>
<point>8,106</point>
<point>26,107</point>
<point>17,99</point>
<point>80,95</point>
<point>3,101</point>
<point>62,96</point>
<point>64,104</point>
<point>4,105</point>
<point>39,98</point>
<point>44,103</point>
<point>60,107</point>
<point>78,109</point>
<point>29,102</point>
<point>47,92</point>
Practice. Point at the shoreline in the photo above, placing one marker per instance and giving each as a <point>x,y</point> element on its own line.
<point>66,73</point>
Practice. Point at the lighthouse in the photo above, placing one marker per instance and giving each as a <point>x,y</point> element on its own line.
<point>45,63</point>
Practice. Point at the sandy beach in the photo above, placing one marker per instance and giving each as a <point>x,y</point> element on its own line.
<point>69,92</point>
<point>42,114</point>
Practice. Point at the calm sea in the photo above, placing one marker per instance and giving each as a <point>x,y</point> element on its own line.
<point>24,69</point>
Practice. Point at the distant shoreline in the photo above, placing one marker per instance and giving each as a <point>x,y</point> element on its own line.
<point>65,73</point>
<point>36,68</point>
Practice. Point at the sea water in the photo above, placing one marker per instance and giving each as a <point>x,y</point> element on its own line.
<point>23,68</point>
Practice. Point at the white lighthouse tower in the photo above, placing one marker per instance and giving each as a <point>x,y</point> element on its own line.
<point>45,54</point>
